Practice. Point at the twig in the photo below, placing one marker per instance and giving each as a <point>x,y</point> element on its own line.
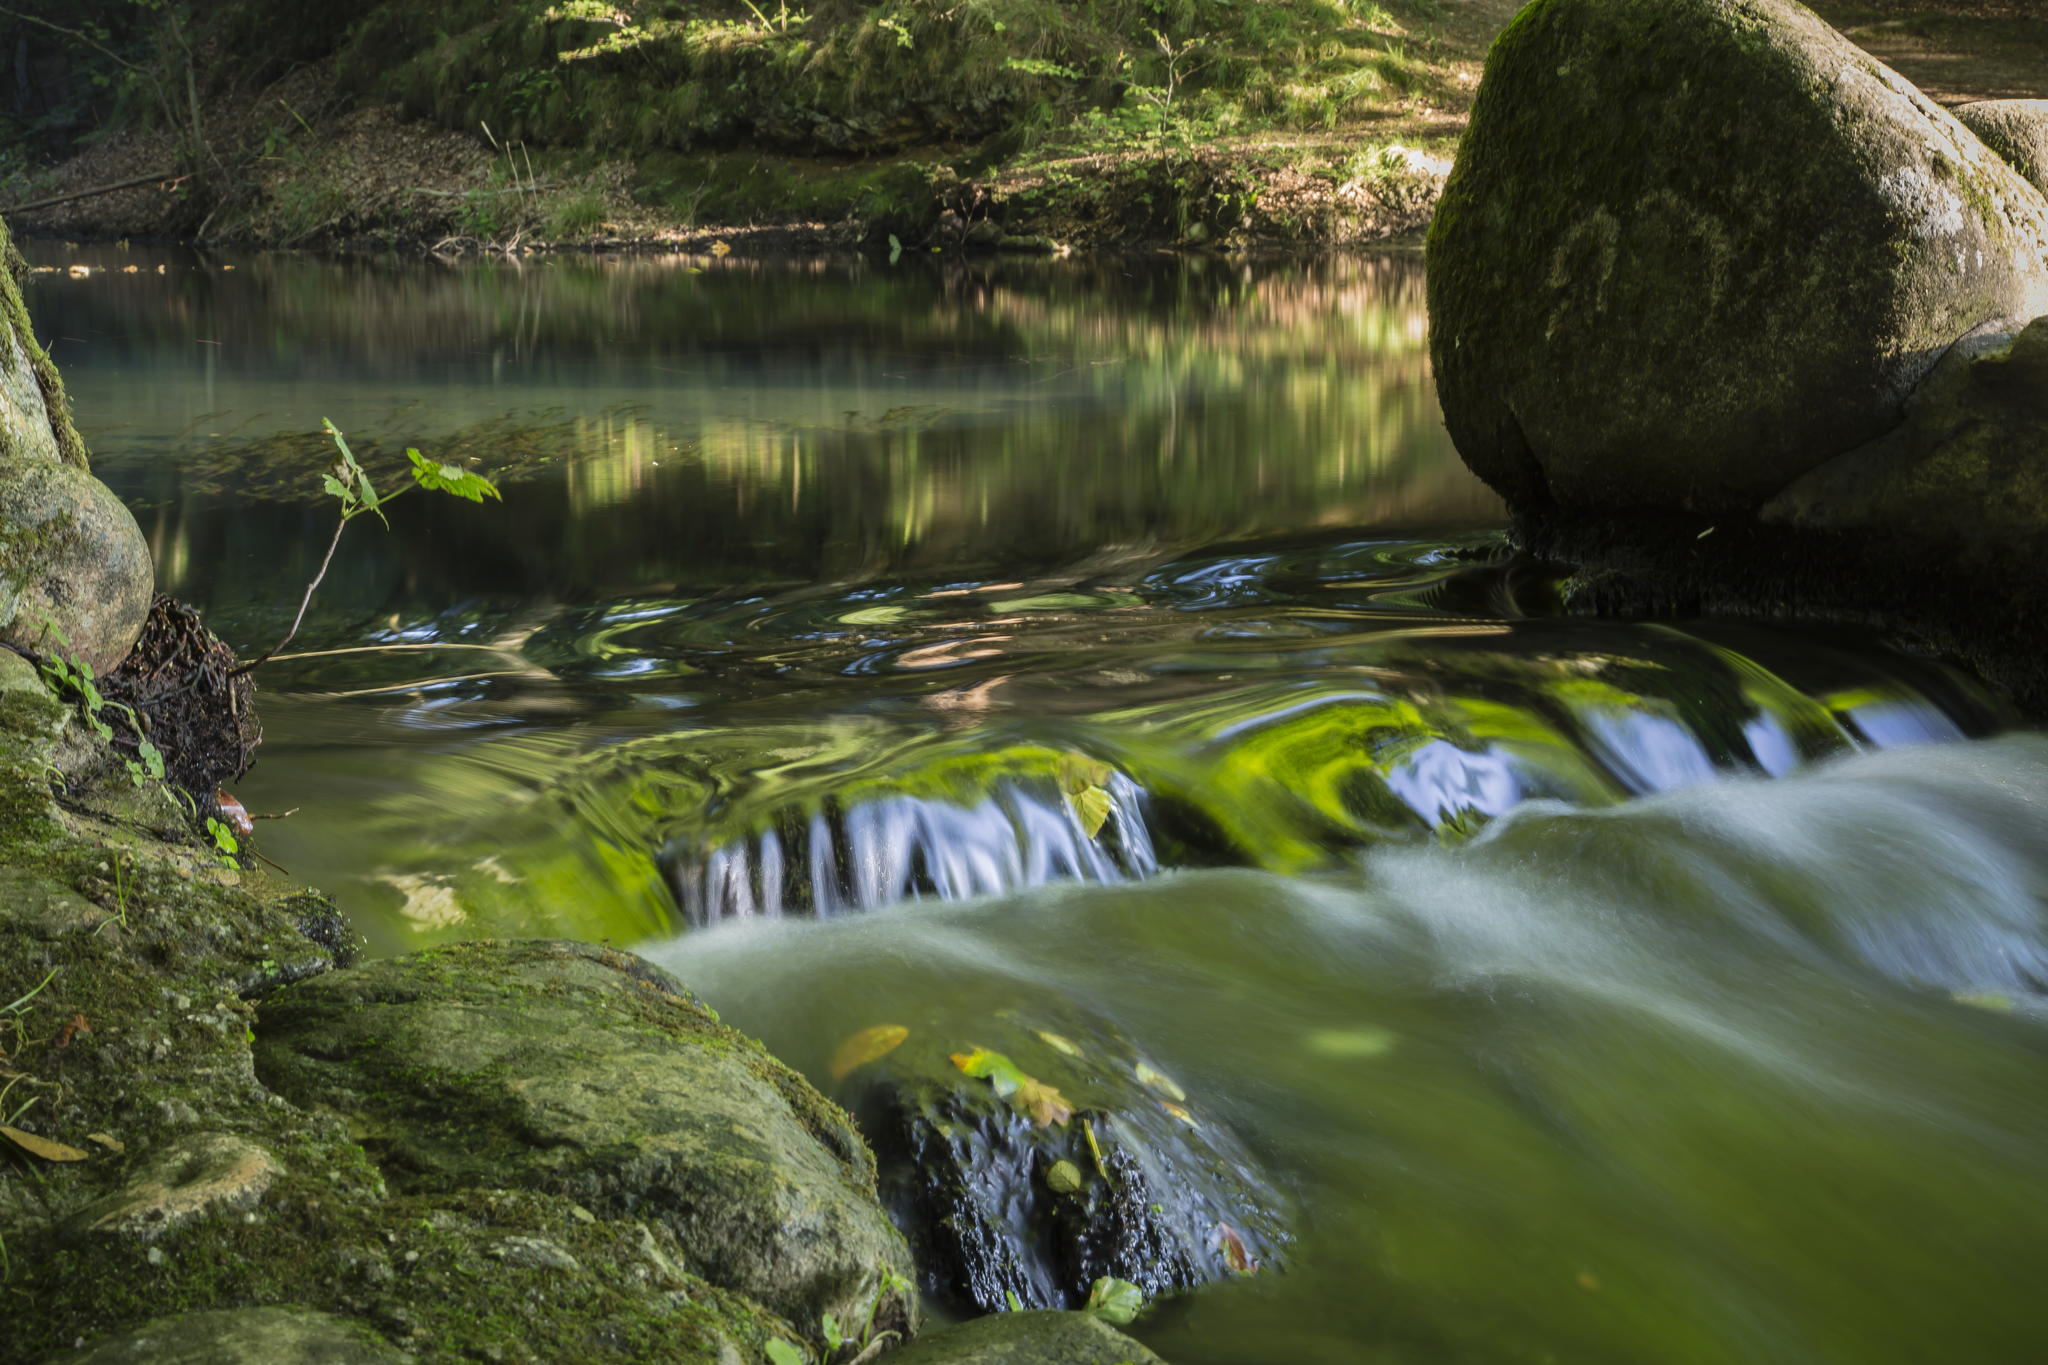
<point>304,602</point>
<point>170,176</point>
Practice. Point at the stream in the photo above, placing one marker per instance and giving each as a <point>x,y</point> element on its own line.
<point>924,645</point>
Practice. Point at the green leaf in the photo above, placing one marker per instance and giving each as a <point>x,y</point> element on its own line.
<point>336,488</point>
<point>1011,1303</point>
<point>1115,1301</point>
<point>834,1338</point>
<point>781,1352</point>
<point>448,478</point>
<point>993,1067</point>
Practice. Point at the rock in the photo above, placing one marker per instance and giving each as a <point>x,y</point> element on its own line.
<point>1692,249</point>
<point>1031,1338</point>
<point>594,1075</point>
<point>1965,481</point>
<point>1038,1193</point>
<point>70,554</point>
<point>2017,130</point>
<point>242,1336</point>
<point>197,1175</point>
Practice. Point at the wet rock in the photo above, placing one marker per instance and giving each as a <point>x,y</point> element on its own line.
<point>197,1175</point>
<point>594,1075</point>
<point>242,1336</point>
<point>2017,130</point>
<point>1031,1338</point>
<point>1093,1164</point>
<point>1692,249</point>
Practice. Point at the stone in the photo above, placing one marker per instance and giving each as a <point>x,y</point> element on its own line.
<point>1124,1175</point>
<point>594,1075</point>
<point>1692,249</point>
<point>1036,1337</point>
<point>242,1336</point>
<point>2017,130</point>
<point>1965,481</point>
<point>71,555</point>
<point>197,1175</point>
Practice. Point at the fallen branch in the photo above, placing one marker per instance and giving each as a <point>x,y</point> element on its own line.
<point>172,176</point>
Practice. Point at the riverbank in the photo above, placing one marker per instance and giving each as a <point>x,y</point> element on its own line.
<point>517,134</point>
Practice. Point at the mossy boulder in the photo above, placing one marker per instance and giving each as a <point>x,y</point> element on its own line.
<point>243,1336</point>
<point>1692,249</point>
<point>71,556</point>
<point>1031,1338</point>
<point>591,1074</point>
<point>1965,481</point>
<point>2017,130</point>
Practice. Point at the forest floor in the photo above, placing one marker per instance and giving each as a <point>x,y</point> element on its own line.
<point>1335,151</point>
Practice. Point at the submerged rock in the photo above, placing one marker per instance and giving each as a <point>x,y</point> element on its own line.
<point>1030,1338</point>
<point>592,1074</point>
<point>1029,1162</point>
<point>2017,130</point>
<point>242,1336</point>
<point>1692,249</point>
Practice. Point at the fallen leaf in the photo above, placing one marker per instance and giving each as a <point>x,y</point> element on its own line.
<point>720,249</point>
<point>1183,1115</point>
<point>73,1026</point>
<point>992,1067</point>
<point>1160,1081</point>
<point>866,1046</point>
<point>1045,1106</point>
<point>1114,1301</point>
<point>1058,1042</point>
<point>108,1141</point>
<point>1091,808</point>
<point>1235,1254</point>
<point>41,1146</point>
<point>1063,1178</point>
<point>1351,1042</point>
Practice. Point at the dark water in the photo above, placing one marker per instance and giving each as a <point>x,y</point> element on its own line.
<point>897,646</point>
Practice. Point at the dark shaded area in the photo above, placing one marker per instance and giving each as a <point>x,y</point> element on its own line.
<point>188,700</point>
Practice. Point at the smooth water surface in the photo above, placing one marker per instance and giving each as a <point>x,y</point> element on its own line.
<point>897,645</point>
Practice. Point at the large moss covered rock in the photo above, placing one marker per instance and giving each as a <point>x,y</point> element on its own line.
<point>242,1336</point>
<point>2017,130</point>
<point>1694,248</point>
<point>75,572</point>
<point>592,1074</point>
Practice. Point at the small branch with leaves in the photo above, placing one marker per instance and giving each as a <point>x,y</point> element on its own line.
<point>347,482</point>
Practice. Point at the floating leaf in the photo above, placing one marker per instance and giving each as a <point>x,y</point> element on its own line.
<point>1984,1000</point>
<point>1058,1042</point>
<point>1115,1301</point>
<point>861,1048</point>
<point>1063,1178</point>
<point>993,1067</point>
<point>1353,1042</point>
<point>1235,1253</point>
<point>41,1146</point>
<point>1183,1115</point>
<point>1091,808</point>
<point>1045,1106</point>
<point>1160,1081</point>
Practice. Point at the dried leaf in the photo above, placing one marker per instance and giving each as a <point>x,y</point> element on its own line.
<point>41,1146</point>
<point>1183,1115</point>
<point>73,1026</point>
<point>1161,1082</point>
<point>1058,1042</point>
<point>866,1046</point>
<point>1235,1254</point>
<point>1044,1105</point>
<point>108,1141</point>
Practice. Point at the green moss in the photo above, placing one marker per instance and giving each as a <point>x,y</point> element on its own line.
<point>14,314</point>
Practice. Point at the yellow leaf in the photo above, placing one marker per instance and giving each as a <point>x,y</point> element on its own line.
<point>1044,1105</point>
<point>1091,808</point>
<point>1160,1081</point>
<point>108,1141</point>
<point>40,1146</point>
<point>861,1048</point>
<point>720,249</point>
<point>1183,1115</point>
<point>1059,1042</point>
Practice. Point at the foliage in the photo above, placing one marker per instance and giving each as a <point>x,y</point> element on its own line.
<point>1115,1301</point>
<point>69,677</point>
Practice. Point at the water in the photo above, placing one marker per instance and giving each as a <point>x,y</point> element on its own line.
<point>906,646</point>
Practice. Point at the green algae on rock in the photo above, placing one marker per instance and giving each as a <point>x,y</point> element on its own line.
<point>71,556</point>
<point>595,1076</point>
<point>243,1336</point>
<point>1038,1337</point>
<point>1693,248</point>
<point>2017,130</point>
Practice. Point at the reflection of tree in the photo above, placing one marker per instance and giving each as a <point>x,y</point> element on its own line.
<point>787,423</point>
